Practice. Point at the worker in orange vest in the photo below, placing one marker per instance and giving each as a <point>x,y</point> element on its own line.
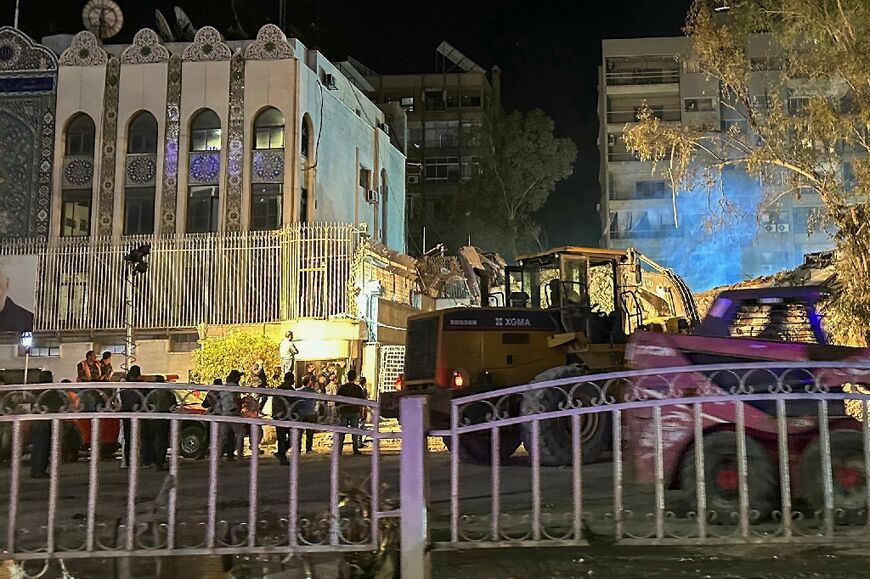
<point>88,370</point>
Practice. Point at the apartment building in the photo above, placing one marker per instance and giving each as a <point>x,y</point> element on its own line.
<point>446,112</point>
<point>637,207</point>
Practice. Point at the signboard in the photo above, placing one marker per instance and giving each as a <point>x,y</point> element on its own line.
<point>501,320</point>
<point>17,292</point>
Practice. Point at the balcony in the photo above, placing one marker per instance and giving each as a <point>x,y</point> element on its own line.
<point>640,76</point>
<point>629,115</point>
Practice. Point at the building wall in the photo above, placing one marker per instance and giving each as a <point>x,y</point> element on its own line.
<point>113,84</point>
<point>636,204</point>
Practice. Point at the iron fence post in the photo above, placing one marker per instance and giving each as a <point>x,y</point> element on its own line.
<point>413,488</point>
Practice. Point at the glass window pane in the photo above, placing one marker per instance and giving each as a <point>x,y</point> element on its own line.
<point>277,138</point>
<point>214,140</point>
<point>262,139</point>
<point>76,213</point>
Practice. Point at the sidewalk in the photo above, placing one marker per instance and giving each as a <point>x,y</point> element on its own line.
<point>737,561</point>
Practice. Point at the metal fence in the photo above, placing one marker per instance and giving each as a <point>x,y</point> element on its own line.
<point>210,507</point>
<point>391,367</point>
<point>302,271</point>
<point>771,453</point>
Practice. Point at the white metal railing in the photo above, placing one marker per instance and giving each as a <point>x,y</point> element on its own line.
<point>302,271</point>
<point>391,367</point>
<point>767,452</point>
<point>190,507</point>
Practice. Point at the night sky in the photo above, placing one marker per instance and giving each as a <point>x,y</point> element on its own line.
<point>548,54</point>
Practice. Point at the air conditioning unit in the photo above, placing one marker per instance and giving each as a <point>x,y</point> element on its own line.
<point>770,227</point>
<point>329,81</point>
<point>372,196</point>
<point>782,228</point>
<point>413,179</point>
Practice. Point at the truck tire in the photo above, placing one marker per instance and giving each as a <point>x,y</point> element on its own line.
<point>847,470</point>
<point>476,447</point>
<point>554,438</point>
<point>721,480</point>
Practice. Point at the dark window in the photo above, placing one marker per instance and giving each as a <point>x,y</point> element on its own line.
<point>80,136</point>
<point>471,100</point>
<point>303,206</point>
<point>202,209</point>
<point>650,189</point>
<point>269,130</point>
<point>435,100</point>
<point>365,178</point>
<point>75,219</point>
<point>514,338</point>
<point>385,195</point>
<point>142,136</point>
<point>205,132</point>
<point>139,211</point>
<point>266,206</point>
<point>183,342</point>
<point>698,105</point>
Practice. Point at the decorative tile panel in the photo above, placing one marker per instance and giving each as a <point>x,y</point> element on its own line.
<point>169,191</point>
<point>18,52</point>
<point>205,168</point>
<point>18,138</point>
<point>85,50</point>
<point>78,172</point>
<point>106,204</point>
<point>146,48</point>
<point>141,170</point>
<point>40,209</point>
<point>235,143</point>
<point>271,44</point>
<point>268,166</point>
<point>207,45</point>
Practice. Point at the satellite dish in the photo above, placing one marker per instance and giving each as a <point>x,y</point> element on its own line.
<point>183,25</point>
<point>103,18</point>
<point>163,27</point>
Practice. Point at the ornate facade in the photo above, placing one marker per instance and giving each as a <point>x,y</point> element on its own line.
<point>28,81</point>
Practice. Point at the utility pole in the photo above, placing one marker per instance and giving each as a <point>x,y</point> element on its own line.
<point>135,264</point>
<point>17,11</point>
<point>282,15</point>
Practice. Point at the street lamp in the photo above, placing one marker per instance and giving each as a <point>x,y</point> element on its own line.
<point>26,344</point>
<point>136,263</point>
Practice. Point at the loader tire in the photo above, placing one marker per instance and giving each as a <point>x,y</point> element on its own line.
<point>721,479</point>
<point>847,475</point>
<point>554,435</point>
<point>476,447</point>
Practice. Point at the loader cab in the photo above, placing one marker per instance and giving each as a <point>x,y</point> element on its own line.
<point>579,284</point>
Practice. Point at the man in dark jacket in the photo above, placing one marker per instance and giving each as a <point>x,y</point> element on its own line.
<point>49,401</point>
<point>349,414</point>
<point>281,410</point>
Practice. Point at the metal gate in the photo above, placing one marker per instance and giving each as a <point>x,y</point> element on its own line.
<point>391,367</point>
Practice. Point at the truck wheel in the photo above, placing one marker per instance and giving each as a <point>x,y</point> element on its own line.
<point>722,481</point>
<point>847,470</point>
<point>554,438</point>
<point>476,447</point>
<point>192,441</point>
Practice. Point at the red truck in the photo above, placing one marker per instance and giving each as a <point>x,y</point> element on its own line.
<point>744,326</point>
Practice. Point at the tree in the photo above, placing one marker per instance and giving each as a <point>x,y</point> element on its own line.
<point>804,124</point>
<point>236,350</point>
<point>521,164</point>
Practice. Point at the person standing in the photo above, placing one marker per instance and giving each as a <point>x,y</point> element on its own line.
<point>288,352</point>
<point>40,432</point>
<point>88,370</point>
<point>229,404</point>
<point>306,408</point>
<point>155,431</point>
<point>349,414</point>
<point>131,400</point>
<point>106,369</point>
<point>281,410</point>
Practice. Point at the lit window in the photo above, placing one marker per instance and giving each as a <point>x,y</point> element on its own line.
<point>75,218</point>
<point>205,132</point>
<point>269,130</point>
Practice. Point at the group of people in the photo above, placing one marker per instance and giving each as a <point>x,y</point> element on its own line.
<point>308,409</point>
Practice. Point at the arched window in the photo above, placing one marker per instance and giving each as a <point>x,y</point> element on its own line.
<point>306,145</point>
<point>77,193</point>
<point>140,192</point>
<point>142,134</point>
<point>203,195</point>
<point>385,198</point>
<point>80,134</point>
<point>205,131</point>
<point>269,129</point>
